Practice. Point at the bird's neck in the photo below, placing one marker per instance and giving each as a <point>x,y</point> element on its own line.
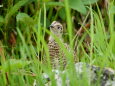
<point>53,39</point>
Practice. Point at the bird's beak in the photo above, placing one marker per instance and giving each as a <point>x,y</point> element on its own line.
<point>51,26</point>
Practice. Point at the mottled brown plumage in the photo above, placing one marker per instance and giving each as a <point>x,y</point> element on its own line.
<point>57,56</point>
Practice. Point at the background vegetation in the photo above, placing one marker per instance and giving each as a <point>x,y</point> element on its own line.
<point>89,28</point>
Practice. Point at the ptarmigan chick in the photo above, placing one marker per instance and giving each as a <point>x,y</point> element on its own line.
<point>57,56</point>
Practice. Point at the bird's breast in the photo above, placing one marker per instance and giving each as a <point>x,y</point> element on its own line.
<point>54,49</point>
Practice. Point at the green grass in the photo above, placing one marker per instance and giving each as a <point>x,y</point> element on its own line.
<point>23,63</point>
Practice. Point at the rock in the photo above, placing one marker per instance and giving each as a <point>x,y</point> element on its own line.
<point>105,76</point>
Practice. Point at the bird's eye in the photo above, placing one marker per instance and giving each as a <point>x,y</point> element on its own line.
<point>59,27</point>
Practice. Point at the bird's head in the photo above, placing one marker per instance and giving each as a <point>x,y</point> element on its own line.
<point>56,28</point>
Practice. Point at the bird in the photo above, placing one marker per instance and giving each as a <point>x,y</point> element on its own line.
<point>57,56</point>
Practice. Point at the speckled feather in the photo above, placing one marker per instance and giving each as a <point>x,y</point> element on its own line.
<point>56,55</point>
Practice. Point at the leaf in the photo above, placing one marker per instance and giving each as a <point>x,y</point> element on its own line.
<point>77,5</point>
<point>13,64</point>
<point>88,2</point>
<point>112,9</point>
<point>73,4</point>
<point>62,13</point>
<point>1,20</point>
<point>15,8</point>
<point>55,3</point>
<point>25,18</point>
